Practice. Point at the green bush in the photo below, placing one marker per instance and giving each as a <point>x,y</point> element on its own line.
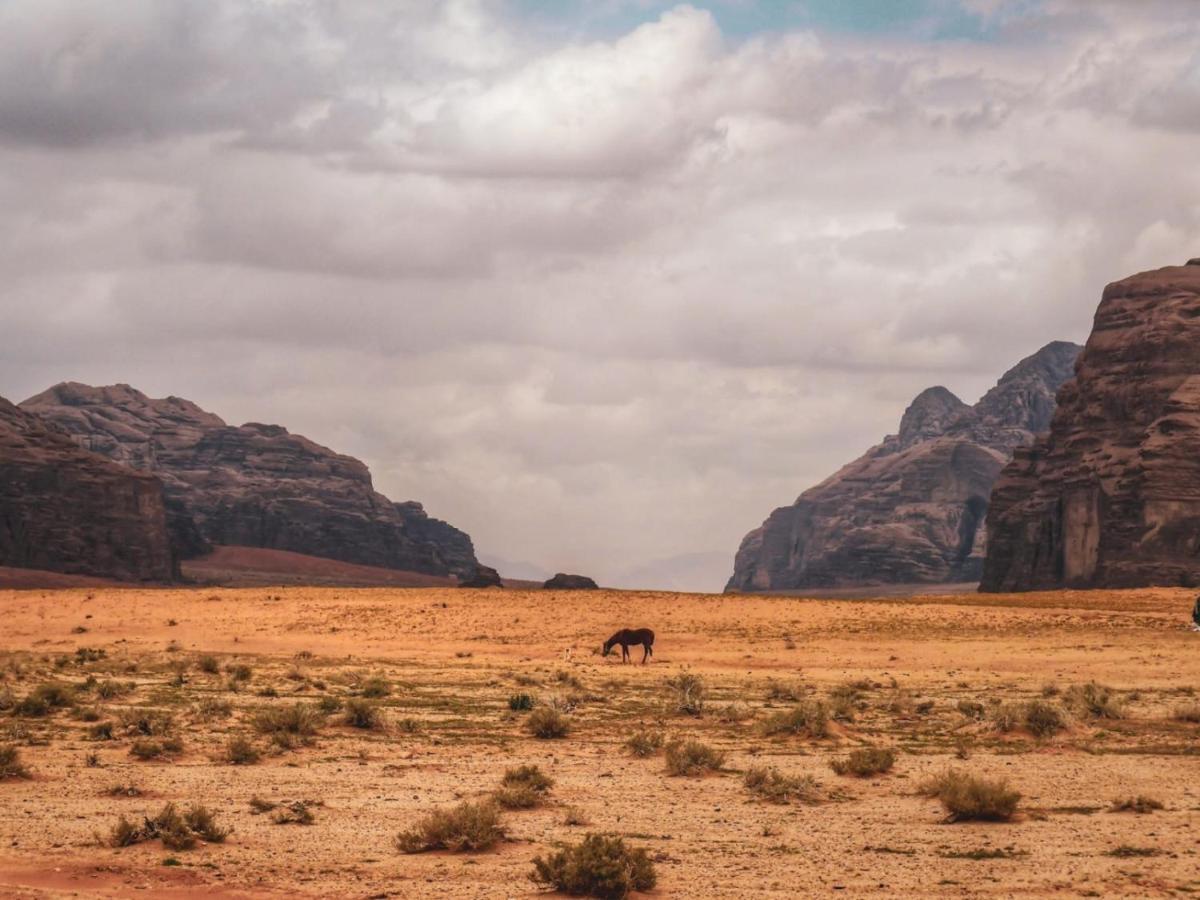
<point>599,866</point>
<point>468,826</point>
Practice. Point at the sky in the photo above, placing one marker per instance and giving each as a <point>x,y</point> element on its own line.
<point>601,283</point>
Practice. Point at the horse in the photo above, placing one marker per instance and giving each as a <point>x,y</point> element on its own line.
<point>627,637</point>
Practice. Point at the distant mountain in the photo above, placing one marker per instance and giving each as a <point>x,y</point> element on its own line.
<point>1110,496</point>
<point>912,508</point>
<point>65,509</point>
<point>702,573</point>
<point>253,485</point>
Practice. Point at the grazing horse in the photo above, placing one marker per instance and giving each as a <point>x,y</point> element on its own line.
<point>627,637</point>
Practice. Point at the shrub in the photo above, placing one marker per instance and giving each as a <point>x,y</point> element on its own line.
<point>1095,700</point>
<point>468,826</point>
<point>362,714</point>
<point>1138,804</point>
<point>865,761</point>
<point>376,688</point>
<point>546,722</point>
<point>519,702</point>
<point>10,763</point>
<point>645,742</point>
<point>240,751</point>
<point>599,866</point>
<point>810,717</point>
<point>687,693</point>
<point>692,758</point>
<point>967,797</point>
<point>288,725</point>
<point>771,784</point>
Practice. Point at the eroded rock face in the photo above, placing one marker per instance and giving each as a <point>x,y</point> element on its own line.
<point>1110,497</point>
<point>565,582</point>
<point>255,485</point>
<point>912,508</point>
<point>65,509</point>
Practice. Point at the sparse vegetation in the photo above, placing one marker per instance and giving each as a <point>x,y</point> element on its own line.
<point>692,758</point>
<point>770,784</point>
<point>968,797</point>
<point>468,826</point>
<point>546,723</point>
<point>598,866</point>
<point>865,762</point>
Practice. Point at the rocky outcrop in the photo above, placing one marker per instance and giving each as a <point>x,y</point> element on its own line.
<point>564,582</point>
<point>64,509</point>
<point>1110,497</point>
<point>482,577</point>
<point>255,485</point>
<point>912,508</point>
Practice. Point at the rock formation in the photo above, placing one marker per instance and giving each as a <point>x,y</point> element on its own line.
<point>564,582</point>
<point>1110,497</point>
<point>65,509</point>
<point>912,508</point>
<point>255,485</point>
<point>482,577</point>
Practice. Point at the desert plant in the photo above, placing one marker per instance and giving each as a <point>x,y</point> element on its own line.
<point>810,717</point>
<point>468,826</point>
<point>362,714</point>
<point>520,702</point>
<point>546,722</point>
<point>865,761</point>
<point>240,751</point>
<point>599,866</point>
<point>10,763</point>
<point>771,784</point>
<point>1138,804</point>
<point>645,742</point>
<point>692,758</point>
<point>687,693</point>
<point>1095,700</point>
<point>968,797</point>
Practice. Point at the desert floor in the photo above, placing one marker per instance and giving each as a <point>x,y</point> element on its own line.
<point>902,673</point>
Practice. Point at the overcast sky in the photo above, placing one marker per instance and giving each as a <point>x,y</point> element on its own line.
<point>598,282</point>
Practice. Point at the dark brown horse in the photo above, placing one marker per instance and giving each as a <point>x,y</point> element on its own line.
<point>628,637</point>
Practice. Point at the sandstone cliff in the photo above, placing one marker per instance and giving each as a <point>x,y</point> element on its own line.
<point>912,508</point>
<point>1110,497</point>
<point>65,509</point>
<point>255,485</point>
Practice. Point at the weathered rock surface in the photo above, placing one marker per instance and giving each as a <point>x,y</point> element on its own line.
<point>1110,497</point>
<point>912,508</point>
<point>65,509</point>
<point>482,577</point>
<point>255,485</point>
<point>564,582</point>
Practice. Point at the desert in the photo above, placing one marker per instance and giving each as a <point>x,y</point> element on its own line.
<point>936,679</point>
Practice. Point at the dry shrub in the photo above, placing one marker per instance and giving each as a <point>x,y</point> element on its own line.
<point>1095,700</point>
<point>810,717</point>
<point>865,761</point>
<point>967,797</point>
<point>546,723</point>
<point>645,742</point>
<point>598,866</point>
<point>10,763</point>
<point>692,758</point>
<point>468,826</point>
<point>1139,804</point>
<point>771,784</point>
<point>687,693</point>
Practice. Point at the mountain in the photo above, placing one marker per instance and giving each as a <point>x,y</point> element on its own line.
<point>1110,497</point>
<point>912,508</point>
<point>64,509</point>
<point>253,485</point>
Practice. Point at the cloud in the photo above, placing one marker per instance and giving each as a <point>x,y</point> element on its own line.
<point>597,297</point>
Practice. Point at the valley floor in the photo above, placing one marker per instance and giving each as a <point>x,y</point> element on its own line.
<point>932,677</point>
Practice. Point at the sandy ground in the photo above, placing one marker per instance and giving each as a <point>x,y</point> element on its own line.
<point>454,657</point>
